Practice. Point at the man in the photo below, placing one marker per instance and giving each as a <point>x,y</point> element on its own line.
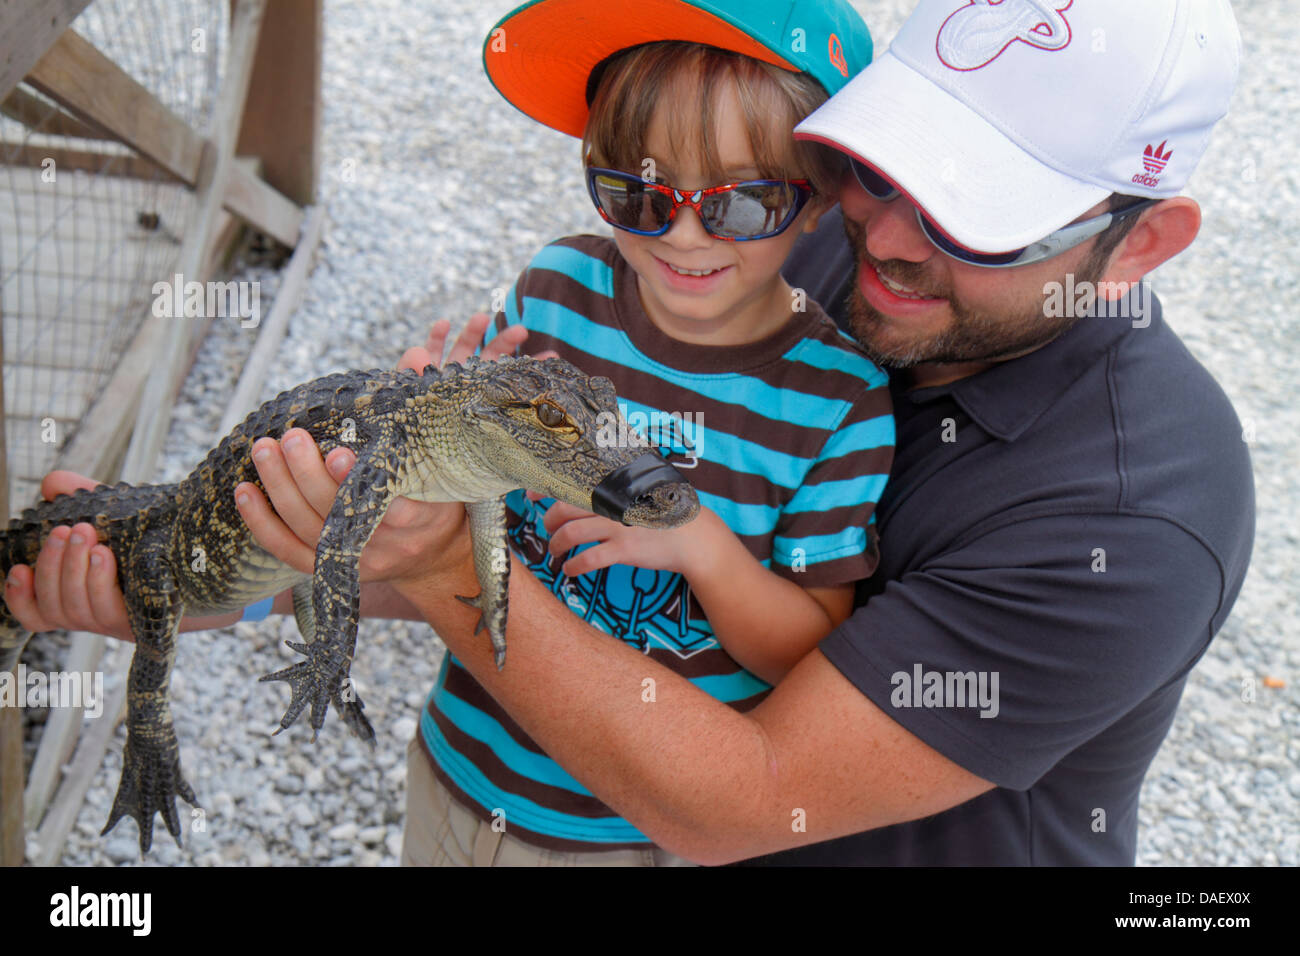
<point>1068,521</point>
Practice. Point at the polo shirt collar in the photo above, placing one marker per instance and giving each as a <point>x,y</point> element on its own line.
<point>1009,397</point>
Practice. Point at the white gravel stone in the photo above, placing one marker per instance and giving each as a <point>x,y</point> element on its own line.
<point>345,832</point>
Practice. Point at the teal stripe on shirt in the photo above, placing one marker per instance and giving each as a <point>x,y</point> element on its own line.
<point>613,345</point>
<point>824,356</point>
<point>595,274</point>
<point>821,547</point>
<point>521,810</point>
<point>837,494</point>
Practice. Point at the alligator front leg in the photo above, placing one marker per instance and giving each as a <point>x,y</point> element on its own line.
<point>347,701</point>
<point>487,531</point>
<point>359,506</point>
<point>151,762</point>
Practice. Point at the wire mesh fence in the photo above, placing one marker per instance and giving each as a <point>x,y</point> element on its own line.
<point>87,225</point>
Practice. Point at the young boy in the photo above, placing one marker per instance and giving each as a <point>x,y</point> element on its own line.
<point>784,427</point>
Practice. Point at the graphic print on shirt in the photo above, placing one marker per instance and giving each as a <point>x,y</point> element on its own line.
<point>640,606</point>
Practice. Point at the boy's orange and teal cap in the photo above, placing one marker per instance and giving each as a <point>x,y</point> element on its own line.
<point>540,56</point>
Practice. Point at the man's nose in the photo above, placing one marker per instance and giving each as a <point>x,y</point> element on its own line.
<point>890,228</point>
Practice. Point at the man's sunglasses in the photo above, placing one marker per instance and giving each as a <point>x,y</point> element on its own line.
<point>737,212</point>
<point>1067,237</point>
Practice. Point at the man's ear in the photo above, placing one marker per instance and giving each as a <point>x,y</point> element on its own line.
<point>1163,231</point>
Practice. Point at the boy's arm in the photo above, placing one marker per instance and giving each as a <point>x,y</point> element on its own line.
<point>766,622</point>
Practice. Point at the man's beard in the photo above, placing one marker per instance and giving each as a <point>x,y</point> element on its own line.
<point>971,336</point>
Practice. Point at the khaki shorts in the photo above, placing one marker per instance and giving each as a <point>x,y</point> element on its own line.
<point>441,831</point>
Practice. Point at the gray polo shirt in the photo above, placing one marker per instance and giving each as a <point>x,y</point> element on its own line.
<point>1061,537</point>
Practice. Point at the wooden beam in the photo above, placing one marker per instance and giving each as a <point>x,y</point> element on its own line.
<point>56,826</point>
<point>27,29</point>
<point>258,204</point>
<point>59,736</point>
<point>89,85</point>
<point>42,117</point>
<point>247,196</point>
<point>94,88</point>
<point>282,118</point>
<point>125,164</point>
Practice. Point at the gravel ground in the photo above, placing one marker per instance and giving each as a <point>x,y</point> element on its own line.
<point>423,224</point>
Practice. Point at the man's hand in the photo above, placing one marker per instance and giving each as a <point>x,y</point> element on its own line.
<point>73,586</point>
<point>413,539</point>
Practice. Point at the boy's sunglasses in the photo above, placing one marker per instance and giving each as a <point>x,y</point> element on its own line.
<point>1067,237</point>
<point>737,212</point>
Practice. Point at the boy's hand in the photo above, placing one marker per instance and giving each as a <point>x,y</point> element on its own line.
<point>677,549</point>
<point>467,343</point>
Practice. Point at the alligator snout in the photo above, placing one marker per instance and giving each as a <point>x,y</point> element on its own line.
<point>647,492</point>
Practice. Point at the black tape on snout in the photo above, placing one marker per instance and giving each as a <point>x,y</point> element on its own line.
<point>623,487</point>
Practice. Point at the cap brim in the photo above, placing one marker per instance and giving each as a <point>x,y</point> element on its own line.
<point>979,186</point>
<point>546,75</point>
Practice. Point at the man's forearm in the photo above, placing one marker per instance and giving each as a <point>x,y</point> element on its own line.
<point>679,765</point>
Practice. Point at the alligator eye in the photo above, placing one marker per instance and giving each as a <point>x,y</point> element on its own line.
<point>549,415</point>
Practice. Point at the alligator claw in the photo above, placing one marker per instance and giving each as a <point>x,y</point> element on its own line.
<point>151,781</point>
<point>315,682</point>
<point>351,712</point>
<point>498,641</point>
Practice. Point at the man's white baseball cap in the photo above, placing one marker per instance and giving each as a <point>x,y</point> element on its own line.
<point>1006,120</point>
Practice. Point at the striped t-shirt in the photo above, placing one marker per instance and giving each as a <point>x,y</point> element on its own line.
<point>788,439</point>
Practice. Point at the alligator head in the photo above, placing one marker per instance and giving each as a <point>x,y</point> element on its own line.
<point>548,427</point>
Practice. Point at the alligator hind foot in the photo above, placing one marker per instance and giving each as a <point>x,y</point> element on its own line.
<point>350,709</point>
<point>151,782</point>
<point>317,681</point>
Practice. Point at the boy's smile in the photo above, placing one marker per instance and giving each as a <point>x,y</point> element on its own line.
<point>694,287</point>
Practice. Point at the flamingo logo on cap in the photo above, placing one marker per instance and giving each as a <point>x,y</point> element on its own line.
<point>975,36</point>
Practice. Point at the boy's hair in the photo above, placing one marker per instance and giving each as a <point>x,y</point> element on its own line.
<point>634,82</point>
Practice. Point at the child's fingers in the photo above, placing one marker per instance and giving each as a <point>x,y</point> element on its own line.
<point>578,532</point>
<point>282,489</point>
<point>470,338</point>
<point>418,359</point>
<point>561,512</point>
<point>506,342</point>
<point>593,559</point>
<point>436,343</point>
